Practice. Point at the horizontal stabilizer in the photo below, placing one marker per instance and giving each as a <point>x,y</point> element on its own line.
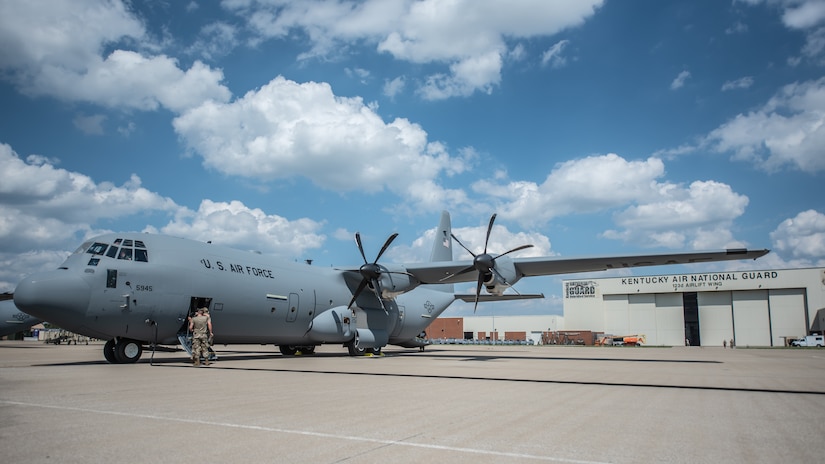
<point>471,297</point>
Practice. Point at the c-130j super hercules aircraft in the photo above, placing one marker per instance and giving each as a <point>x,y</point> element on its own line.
<point>137,289</point>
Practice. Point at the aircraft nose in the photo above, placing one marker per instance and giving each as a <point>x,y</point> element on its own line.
<point>54,296</point>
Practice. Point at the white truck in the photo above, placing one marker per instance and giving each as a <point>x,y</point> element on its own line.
<point>810,340</point>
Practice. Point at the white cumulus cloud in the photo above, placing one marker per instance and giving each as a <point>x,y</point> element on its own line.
<point>788,131</point>
<point>58,52</point>
<point>288,129</point>
<point>680,80</point>
<point>239,226</point>
<point>645,209</point>
<point>468,37</point>
<point>802,237</point>
<point>46,206</point>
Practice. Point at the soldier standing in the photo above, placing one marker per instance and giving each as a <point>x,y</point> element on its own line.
<point>199,325</point>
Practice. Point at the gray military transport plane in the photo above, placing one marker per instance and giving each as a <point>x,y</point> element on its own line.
<point>12,320</point>
<point>138,290</point>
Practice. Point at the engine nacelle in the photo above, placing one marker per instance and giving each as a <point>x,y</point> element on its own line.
<point>395,280</point>
<point>371,338</point>
<point>333,325</point>
<point>506,276</point>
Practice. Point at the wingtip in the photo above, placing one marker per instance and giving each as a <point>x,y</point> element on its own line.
<point>745,251</point>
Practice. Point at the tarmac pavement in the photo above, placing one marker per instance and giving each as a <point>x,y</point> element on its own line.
<point>448,404</point>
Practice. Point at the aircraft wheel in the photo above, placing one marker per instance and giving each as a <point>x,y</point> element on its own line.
<point>354,350</point>
<point>375,351</point>
<point>109,352</point>
<point>288,350</point>
<point>128,351</point>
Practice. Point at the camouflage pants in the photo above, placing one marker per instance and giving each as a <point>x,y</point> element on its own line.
<point>200,347</point>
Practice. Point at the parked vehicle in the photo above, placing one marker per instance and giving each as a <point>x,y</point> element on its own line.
<point>810,340</point>
<point>616,340</point>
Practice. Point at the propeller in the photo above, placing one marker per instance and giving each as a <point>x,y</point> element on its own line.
<point>370,272</point>
<point>484,263</point>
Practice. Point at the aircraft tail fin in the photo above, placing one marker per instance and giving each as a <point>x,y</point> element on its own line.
<point>443,247</point>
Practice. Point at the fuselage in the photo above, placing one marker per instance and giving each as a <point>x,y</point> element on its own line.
<point>143,287</point>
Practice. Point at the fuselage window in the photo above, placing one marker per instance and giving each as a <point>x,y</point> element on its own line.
<point>112,251</point>
<point>97,249</point>
<point>141,255</point>
<point>125,253</point>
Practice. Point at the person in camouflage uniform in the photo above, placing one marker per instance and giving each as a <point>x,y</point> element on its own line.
<point>199,325</point>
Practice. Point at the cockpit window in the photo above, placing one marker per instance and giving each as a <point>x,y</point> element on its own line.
<point>97,249</point>
<point>130,250</point>
<point>82,248</point>
<point>112,251</point>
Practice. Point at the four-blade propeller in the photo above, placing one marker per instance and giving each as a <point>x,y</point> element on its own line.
<point>370,272</point>
<point>484,263</point>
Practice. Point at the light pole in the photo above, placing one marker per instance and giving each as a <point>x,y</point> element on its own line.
<point>493,335</point>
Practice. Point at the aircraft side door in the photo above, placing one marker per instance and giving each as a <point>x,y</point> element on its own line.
<point>111,299</point>
<point>292,307</point>
<point>399,323</point>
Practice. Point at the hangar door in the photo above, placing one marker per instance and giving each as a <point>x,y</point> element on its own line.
<point>788,309</point>
<point>615,314</point>
<point>752,322</point>
<point>715,318</point>
<point>670,320</point>
<point>752,317</point>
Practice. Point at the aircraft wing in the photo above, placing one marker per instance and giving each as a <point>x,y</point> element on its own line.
<point>444,272</point>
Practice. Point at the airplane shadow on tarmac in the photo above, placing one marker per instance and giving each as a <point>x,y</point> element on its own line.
<point>226,359</point>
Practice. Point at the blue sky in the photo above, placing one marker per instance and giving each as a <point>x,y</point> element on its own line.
<point>589,126</point>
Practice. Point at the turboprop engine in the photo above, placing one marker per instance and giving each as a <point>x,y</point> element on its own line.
<point>385,282</point>
<point>502,276</point>
<point>495,272</point>
<point>395,280</point>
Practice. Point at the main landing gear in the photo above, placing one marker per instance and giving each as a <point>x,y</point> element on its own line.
<point>355,350</point>
<point>292,350</point>
<point>122,351</point>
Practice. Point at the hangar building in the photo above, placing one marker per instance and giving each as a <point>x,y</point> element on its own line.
<point>499,328</point>
<point>753,308</point>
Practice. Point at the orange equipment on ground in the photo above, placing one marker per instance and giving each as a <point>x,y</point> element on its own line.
<point>623,340</point>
